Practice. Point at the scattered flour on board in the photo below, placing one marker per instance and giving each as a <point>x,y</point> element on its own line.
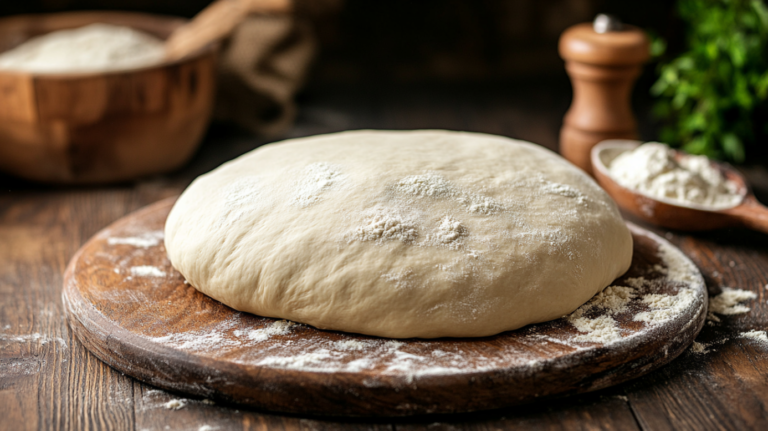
<point>665,307</point>
<point>314,180</point>
<point>280,327</point>
<point>728,303</point>
<point>95,47</point>
<point>298,361</point>
<point>352,344</point>
<point>145,240</point>
<point>147,271</point>
<point>679,268</point>
<point>602,329</point>
<point>214,338</point>
<point>614,300</point>
<point>760,336</point>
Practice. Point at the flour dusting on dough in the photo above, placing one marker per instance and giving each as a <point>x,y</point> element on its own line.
<point>449,232</point>
<point>240,198</point>
<point>435,186</point>
<point>427,185</point>
<point>387,227</point>
<point>314,180</point>
<point>562,190</point>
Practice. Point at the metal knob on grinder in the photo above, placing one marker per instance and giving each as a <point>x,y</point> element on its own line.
<point>603,60</point>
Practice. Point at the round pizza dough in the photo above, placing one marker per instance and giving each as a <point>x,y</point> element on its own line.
<point>399,234</point>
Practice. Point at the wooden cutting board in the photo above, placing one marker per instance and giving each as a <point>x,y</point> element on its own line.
<point>130,308</point>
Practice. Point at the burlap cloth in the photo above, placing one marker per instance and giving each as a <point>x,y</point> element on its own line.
<point>262,66</point>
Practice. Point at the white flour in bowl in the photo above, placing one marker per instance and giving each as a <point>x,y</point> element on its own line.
<point>652,169</point>
<point>93,48</point>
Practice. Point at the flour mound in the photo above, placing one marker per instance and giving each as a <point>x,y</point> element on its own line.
<point>96,47</point>
<point>449,232</point>
<point>652,169</point>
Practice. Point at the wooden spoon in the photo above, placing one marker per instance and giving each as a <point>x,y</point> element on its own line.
<point>217,21</point>
<point>748,213</point>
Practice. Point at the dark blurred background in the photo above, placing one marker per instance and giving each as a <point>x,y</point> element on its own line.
<point>488,66</point>
<point>425,40</point>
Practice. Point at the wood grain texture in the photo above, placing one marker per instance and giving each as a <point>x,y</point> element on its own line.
<point>102,127</point>
<point>41,228</point>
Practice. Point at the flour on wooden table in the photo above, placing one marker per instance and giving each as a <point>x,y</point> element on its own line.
<point>93,48</point>
<point>175,404</point>
<point>760,336</point>
<point>699,348</point>
<point>729,302</point>
<point>38,338</point>
<point>702,348</point>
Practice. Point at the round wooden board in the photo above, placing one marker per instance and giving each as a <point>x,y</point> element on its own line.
<point>129,307</point>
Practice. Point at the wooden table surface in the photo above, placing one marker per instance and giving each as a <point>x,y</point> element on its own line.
<point>49,381</point>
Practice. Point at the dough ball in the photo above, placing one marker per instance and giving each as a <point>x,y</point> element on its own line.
<point>399,234</point>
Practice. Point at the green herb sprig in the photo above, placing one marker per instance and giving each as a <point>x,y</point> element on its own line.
<point>711,94</point>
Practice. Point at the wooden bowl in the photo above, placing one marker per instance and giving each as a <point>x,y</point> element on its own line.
<point>674,215</point>
<point>98,127</point>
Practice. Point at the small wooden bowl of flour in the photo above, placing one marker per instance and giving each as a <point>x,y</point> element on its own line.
<point>676,190</point>
<point>112,120</point>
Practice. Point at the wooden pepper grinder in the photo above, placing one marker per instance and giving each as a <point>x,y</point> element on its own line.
<point>603,60</point>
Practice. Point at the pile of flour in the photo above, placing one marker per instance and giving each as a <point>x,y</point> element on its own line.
<point>96,47</point>
<point>652,169</point>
